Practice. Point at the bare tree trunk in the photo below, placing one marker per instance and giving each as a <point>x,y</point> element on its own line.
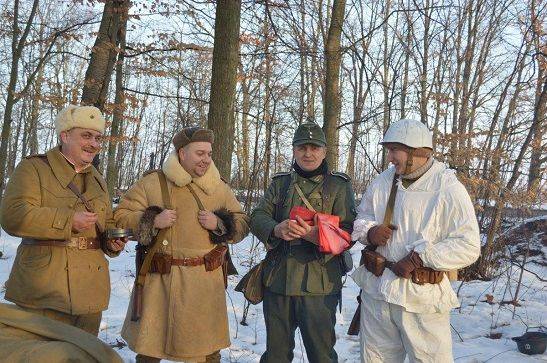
<point>223,83</point>
<point>385,79</point>
<point>407,47</point>
<point>34,114</point>
<point>425,62</point>
<point>104,52</point>
<point>498,209</point>
<point>441,98</point>
<point>303,64</point>
<point>268,119</point>
<point>454,152</point>
<point>117,118</point>
<point>469,53</point>
<point>246,108</point>
<point>332,103</point>
<point>537,159</point>
<point>17,45</point>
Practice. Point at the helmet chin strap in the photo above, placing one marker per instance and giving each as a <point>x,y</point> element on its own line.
<point>409,161</point>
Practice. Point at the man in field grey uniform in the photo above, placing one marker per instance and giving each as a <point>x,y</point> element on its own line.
<point>302,285</point>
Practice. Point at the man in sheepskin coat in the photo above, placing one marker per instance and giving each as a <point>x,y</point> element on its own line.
<point>184,314</point>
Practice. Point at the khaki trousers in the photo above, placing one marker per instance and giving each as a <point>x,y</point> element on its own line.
<point>87,322</point>
<point>389,333</point>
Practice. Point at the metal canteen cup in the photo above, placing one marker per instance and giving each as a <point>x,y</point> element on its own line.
<point>117,233</point>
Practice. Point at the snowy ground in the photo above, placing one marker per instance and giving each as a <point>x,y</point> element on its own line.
<point>471,324</point>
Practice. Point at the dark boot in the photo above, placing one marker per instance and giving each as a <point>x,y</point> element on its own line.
<point>146,359</point>
<point>213,357</point>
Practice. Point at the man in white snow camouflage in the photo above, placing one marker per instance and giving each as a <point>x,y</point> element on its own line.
<point>412,240</point>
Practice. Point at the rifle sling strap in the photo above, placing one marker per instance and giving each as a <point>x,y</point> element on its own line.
<point>141,277</point>
<point>79,194</point>
<point>391,201</point>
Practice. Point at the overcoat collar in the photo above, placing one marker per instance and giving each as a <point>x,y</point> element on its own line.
<point>65,173</point>
<point>174,172</point>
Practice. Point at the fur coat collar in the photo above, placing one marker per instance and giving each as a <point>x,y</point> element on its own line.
<point>174,172</point>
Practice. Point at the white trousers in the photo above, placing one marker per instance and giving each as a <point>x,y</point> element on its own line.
<point>389,333</point>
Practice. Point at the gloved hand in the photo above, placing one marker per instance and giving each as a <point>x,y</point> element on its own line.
<point>380,234</point>
<point>404,267</point>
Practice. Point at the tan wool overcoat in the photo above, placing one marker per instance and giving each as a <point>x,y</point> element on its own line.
<point>38,204</point>
<point>184,315</point>
<point>27,337</point>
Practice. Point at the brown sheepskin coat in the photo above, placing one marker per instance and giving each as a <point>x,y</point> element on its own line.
<point>184,316</point>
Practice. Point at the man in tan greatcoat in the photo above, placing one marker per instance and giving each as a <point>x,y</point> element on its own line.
<point>184,314</point>
<point>27,337</point>
<point>60,270</point>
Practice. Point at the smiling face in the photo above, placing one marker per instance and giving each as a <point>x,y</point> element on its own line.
<point>309,156</point>
<point>81,145</point>
<point>195,158</point>
<point>398,156</point>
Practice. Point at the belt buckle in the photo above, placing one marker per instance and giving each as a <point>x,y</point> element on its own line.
<point>82,243</point>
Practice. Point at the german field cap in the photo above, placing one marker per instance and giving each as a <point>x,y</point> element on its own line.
<point>309,133</point>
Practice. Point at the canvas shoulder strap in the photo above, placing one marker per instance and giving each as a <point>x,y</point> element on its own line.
<point>303,197</point>
<point>166,198</point>
<point>78,193</point>
<point>198,201</point>
<point>86,203</point>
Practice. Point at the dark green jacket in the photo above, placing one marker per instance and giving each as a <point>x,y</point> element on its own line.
<point>297,268</point>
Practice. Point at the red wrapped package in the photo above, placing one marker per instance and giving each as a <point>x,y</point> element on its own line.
<point>332,239</point>
<point>304,213</point>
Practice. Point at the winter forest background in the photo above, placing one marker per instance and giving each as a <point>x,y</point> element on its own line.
<point>474,71</point>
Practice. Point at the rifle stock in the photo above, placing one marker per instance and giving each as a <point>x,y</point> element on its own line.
<point>136,310</point>
<point>355,324</point>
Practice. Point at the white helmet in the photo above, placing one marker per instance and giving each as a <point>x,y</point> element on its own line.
<point>409,132</point>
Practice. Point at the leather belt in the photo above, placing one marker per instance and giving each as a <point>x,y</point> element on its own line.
<point>376,264</point>
<point>81,243</point>
<point>190,261</point>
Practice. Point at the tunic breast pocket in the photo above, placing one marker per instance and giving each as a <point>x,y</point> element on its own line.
<point>56,196</point>
<point>316,201</point>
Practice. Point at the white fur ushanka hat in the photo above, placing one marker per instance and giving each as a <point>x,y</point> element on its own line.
<point>86,117</point>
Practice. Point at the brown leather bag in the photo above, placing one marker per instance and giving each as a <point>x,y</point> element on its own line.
<point>251,284</point>
<point>215,258</point>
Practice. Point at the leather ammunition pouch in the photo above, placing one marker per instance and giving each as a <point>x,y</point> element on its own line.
<point>426,275</point>
<point>215,258</point>
<point>376,264</point>
<point>162,262</point>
